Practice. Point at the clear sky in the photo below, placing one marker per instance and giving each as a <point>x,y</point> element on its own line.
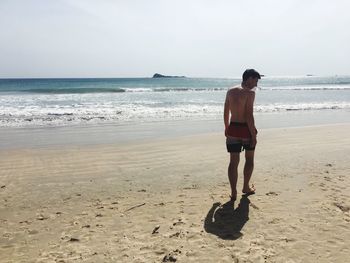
<point>196,38</point>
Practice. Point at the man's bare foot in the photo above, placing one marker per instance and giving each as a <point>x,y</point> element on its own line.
<point>249,190</point>
<point>233,196</point>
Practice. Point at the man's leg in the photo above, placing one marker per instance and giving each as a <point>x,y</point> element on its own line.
<point>233,173</point>
<point>248,170</point>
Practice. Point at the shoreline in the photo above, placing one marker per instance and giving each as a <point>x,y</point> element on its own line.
<point>123,133</point>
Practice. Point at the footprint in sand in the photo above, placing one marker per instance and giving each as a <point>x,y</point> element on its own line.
<point>323,187</point>
<point>155,230</point>
<point>21,222</point>
<point>42,217</point>
<point>343,208</point>
<point>275,221</point>
<point>33,232</point>
<point>271,193</point>
<point>287,240</point>
<point>340,178</point>
<point>172,256</point>
<point>73,239</point>
<point>169,258</point>
<point>178,223</point>
<point>180,234</point>
<point>194,186</point>
<point>254,206</point>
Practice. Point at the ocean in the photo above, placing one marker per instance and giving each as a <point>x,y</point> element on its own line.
<point>118,101</point>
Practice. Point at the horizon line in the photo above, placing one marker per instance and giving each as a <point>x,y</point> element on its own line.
<point>179,77</point>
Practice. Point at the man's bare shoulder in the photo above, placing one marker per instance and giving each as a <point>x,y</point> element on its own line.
<point>237,87</point>
<point>234,89</point>
<point>238,90</point>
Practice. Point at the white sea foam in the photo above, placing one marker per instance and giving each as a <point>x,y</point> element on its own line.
<point>137,89</point>
<point>49,115</point>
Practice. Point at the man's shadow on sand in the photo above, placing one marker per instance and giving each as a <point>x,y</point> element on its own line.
<point>225,221</point>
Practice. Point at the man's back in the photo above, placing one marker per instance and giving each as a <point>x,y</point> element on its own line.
<point>237,99</point>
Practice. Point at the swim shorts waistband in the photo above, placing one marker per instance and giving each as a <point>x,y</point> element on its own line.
<point>234,123</point>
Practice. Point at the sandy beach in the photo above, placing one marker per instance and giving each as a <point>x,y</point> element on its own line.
<point>166,200</point>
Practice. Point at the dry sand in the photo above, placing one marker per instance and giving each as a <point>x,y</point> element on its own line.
<point>166,201</point>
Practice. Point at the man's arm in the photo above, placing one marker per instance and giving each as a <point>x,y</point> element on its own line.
<point>249,115</point>
<point>227,112</point>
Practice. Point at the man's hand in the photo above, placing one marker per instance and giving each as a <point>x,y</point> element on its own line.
<point>253,142</point>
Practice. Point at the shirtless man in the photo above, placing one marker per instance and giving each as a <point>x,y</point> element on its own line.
<point>240,130</point>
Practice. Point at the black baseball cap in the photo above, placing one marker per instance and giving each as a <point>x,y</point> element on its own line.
<point>250,73</point>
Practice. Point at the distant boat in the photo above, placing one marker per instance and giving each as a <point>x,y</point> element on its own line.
<point>309,75</point>
<point>157,75</point>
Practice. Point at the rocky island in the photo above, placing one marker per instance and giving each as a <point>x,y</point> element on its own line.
<point>157,75</point>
